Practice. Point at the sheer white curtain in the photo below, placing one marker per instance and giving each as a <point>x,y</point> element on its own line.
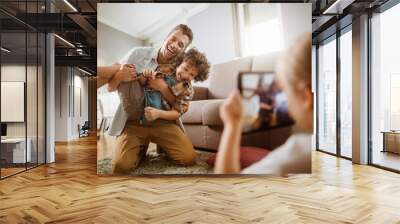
<point>269,27</point>
<point>260,29</point>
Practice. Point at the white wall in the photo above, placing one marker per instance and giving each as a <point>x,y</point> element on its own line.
<point>12,73</point>
<point>212,28</point>
<point>66,119</point>
<point>213,32</point>
<point>33,126</point>
<point>296,20</point>
<point>156,38</point>
<point>61,103</point>
<point>80,83</point>
<point>113,44</point>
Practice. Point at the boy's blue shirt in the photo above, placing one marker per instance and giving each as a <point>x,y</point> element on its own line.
<point>153,98</point>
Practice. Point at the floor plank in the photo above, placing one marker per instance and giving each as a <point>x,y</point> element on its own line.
<point>70,191</point>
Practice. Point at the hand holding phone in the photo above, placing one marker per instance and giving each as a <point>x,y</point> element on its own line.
<point>265,104</point>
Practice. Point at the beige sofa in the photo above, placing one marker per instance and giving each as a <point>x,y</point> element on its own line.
<point>202,122</point>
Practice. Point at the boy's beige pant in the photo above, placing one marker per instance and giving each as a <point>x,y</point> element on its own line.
<point>132,144</point>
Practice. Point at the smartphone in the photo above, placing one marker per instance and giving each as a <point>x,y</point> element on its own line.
<point>265,104</point>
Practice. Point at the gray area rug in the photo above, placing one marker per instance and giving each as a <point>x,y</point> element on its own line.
<point>155,163</point>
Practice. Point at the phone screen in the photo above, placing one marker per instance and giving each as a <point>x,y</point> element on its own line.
<point>264,103</point>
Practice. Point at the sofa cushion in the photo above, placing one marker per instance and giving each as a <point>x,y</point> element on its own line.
<point>223,77</point>
<point>248,156</point>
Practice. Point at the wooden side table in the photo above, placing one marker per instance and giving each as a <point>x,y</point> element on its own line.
<point>391,141</point>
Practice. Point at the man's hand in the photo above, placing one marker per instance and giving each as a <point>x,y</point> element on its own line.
<point>231,111</point>
<point>151,113</point>
<point>149,74</point>
<point>127,73</point>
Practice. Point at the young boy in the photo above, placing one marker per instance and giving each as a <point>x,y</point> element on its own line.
<point>193,66</point>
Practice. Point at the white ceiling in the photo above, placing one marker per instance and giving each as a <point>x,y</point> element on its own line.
<point>141,19</point>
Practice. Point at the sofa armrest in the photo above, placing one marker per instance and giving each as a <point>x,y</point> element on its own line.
<point>200,93</point>
<point>210,113</point>
<point>194,114</point>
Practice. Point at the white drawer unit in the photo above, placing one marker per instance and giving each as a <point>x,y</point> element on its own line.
<point>13,150</point>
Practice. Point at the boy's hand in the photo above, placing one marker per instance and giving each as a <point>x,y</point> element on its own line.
<point>151,113</point>
<point>149,74</point>
<point>231,111</point>
<point>127,73</point>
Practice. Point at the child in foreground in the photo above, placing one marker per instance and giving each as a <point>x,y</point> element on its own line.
<point>294,156</point>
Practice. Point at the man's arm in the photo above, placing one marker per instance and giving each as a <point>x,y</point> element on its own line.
<point>114,83</point>
<point>127,73</point>
<point>104,73</point>
<point>107,71</point>
<point>129,58</point>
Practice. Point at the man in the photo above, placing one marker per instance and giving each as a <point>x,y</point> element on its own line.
<point>133,137</point>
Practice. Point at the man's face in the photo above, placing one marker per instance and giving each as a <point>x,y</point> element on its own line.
<point>186,72</point>
<point>174,45</point>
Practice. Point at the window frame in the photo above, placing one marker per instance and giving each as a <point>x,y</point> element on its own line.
<point>333,37</point>
<point>27,29</point>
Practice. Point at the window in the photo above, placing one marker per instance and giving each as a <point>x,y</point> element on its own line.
<point>262,29</point>
<point>385,89</point>
<point>346,94</point>
<point>314,89</point>
<point>394,102</point>
<point>335,74</point>
<point>263,38</point>
<point>22,65</point>
<point>327,96</point>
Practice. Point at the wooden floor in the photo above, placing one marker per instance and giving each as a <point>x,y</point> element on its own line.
<point>69,191</point>
<point>10,171</point>
<point>386,159</point>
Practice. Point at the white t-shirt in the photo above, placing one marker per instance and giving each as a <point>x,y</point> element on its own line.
<point>292,157</point>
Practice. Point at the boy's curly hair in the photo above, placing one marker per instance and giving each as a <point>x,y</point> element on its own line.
<point>199,61</point>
